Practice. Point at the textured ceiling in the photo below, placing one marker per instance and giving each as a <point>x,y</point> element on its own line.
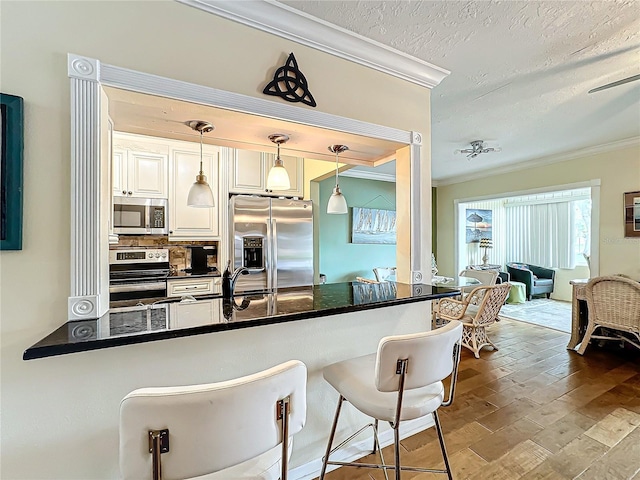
<point>520,71</point>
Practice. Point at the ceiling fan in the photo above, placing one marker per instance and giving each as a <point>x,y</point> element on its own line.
<point>478,147</point>
<point>615,84</point>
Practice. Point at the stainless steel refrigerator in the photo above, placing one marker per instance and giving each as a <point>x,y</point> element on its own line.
<point>273,238</point>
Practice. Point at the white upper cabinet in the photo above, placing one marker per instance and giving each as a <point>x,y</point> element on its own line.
<point>164,168</point>
<point>186,222</point>
<point>139,166</point>
<point>249,171</point>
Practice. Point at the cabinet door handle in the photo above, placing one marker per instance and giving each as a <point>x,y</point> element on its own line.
<point>124,192</point>
<point>129,193</point>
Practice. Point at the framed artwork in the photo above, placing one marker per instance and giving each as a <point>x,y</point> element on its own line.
<point>478,225</point>
<point>632,214</point>
<point>11,152</point>
<point>372,225</point>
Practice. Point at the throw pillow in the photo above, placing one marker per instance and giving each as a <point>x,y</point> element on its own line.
<point>519,266</point>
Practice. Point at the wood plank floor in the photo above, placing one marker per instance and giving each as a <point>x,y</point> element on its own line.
<point>533,410</point>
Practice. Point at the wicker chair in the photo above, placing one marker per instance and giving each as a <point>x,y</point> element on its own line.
<point>385,274</point>
<point>613,302</point>
<point>486,277</point>
<point>477,311</point>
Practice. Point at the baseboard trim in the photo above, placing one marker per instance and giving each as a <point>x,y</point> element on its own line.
<point>357,450</point>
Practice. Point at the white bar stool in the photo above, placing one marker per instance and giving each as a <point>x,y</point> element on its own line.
<point>240,428</point>
<point>403,381</point>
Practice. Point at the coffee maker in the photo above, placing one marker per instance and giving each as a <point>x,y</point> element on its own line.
<point>200,259</point>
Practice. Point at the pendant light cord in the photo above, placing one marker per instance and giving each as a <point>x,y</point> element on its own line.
<point>201,172</point>
<point>336,169</point>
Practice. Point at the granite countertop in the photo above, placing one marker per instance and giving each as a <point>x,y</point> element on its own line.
<point>171,318</point>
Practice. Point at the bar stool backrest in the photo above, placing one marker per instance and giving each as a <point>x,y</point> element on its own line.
<point>212,426</point>
<point>430,356</point>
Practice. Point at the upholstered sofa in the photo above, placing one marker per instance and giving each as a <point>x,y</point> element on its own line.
<point>538,280</point>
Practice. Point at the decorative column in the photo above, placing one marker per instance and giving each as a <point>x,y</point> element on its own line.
<point>89,292</point>
<point>420,211</point>
<point>413,236</point>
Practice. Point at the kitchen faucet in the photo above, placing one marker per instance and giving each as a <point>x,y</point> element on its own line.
<point>229,279</point>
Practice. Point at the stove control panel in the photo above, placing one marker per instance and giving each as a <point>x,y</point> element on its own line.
<point>138,255</point>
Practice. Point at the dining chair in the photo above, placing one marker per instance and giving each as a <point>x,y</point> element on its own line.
<point>613,303</point>
<point>485,277</point>
<point>385,274</point>
<point>477,311</point>
<point>366,280</point>
<point>240,428</point>
<point>401,382</point>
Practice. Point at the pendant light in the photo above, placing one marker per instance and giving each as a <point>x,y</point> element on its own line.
<point>337,203</point>
<point>278,178</point>
<point>200,194</point>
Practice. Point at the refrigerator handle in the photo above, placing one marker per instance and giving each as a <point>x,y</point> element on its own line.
<point>274,254</point>
<point>268,262</point>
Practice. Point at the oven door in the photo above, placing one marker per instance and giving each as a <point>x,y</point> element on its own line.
<point>133,289</point>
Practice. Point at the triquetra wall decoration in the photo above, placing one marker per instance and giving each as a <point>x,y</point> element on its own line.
<point>290,83</point>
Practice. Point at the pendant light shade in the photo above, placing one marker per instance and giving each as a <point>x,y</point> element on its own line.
<point>278,178</point>
<point>200,194</point>
<point>337,202</point>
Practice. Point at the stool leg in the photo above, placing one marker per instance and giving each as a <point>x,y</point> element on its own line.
<point>375,436</point>
<point>396,441</point>
<point>331,435</point>
<point>442,447</point>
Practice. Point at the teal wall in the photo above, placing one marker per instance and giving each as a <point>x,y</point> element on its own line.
<point>341,260</point>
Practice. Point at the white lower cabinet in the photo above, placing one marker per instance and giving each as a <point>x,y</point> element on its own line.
<point>191,223</point>
<point>194,286</point>
<point>193,314</point>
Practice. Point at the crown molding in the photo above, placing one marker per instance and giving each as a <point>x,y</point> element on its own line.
<point>278,19</point>
<point>538,162</point>
<point>383,177</point>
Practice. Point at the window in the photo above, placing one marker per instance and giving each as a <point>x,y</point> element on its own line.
<point>582,230</point>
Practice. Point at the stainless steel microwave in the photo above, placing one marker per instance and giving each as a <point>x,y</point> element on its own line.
<point>140,216</point>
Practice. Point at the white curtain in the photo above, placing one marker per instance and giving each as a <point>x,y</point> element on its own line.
<point>541,234</point>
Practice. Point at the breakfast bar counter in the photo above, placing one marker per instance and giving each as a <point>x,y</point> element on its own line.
<point>168,318</point>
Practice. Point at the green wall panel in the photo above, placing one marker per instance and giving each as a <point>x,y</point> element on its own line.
<point>341,260</point>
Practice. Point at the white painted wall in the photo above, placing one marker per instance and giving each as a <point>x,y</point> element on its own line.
<point>60,415</point>
<point>618,171</point>
<point>562,289</point>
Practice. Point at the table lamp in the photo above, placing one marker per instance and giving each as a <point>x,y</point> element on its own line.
<point>485,243</point>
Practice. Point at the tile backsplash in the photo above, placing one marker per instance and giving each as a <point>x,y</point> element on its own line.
<point>179,253</point>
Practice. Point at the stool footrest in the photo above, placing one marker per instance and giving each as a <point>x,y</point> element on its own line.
<point>386,467</point>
